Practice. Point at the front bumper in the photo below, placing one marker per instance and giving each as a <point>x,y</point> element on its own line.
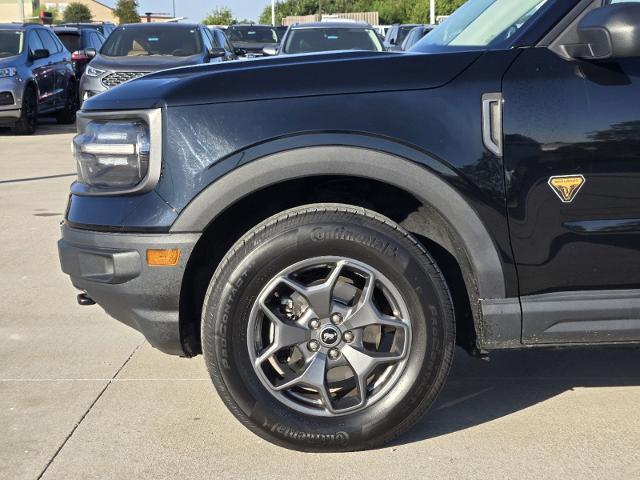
<point>91,86</point>
<point>13,86</point>
<point>112,269</point>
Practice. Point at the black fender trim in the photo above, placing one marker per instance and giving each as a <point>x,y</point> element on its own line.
<point>357,162</point>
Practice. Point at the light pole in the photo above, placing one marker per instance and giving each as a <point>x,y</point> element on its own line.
<point>432,12</point>
<point>174,8</point>
<point>21,10</point>
<point>273,12</point>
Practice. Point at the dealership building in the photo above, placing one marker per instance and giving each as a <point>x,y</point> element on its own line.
<point>10,9</point>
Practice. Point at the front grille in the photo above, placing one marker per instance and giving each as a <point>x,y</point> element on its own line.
<point>116,78</point>
<point>6,98</point>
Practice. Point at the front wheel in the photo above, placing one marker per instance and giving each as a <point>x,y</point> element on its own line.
<point>28,121</point>
<point>328,328</point>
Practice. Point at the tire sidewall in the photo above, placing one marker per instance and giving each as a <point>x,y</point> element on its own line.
<point>229,303</point>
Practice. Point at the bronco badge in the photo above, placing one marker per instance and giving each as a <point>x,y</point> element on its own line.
<point>567,186</point>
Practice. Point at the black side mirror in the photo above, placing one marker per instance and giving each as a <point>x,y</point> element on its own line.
<point>608,33</point>
<point>240,52</point>
<point>217,52</point>
<point>270,50</point>
<point>90,52</point>
<point>39,54</point>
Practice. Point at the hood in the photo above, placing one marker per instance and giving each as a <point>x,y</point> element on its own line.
<point>151,63</point>
<point>10,61</point>
<point>286,77</point>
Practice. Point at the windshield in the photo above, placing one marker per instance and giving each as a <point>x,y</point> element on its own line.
<point>252,35</point>
<point>136,41</point>
<point>306,40</point>
<point>11,43</point>
<point>479,23</point>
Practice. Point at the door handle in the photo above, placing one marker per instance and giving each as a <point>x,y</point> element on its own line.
<point>492,122</point>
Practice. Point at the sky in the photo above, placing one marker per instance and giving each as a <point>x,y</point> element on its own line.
<point>196,10</point>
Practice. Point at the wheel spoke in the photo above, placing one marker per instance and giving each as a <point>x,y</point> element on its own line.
<point>319,296</point>
<point>313,376</point>
<point>364,362</point>
<point>285,335</point>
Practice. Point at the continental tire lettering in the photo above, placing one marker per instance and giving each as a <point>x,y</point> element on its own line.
<point>311,438</point>
<point>223,326</point>
<point>321,234</point>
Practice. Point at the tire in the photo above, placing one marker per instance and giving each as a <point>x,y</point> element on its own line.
<point>28,121</point>
<point>409,297</point>
<point>67,115</point>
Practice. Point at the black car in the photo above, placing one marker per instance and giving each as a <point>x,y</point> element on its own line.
<point>326,258</point>
<point>396,35</point>
<point>415,35</point>
<point>77,41</point>
<point>252,38</point>
<point>327,37</point>
<point>132,51</point>
<point>104,28</point>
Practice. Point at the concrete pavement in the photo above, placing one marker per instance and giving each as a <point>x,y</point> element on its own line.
<point>82,396</point>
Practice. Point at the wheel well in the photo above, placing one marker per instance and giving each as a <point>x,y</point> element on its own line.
<point>425,223</point>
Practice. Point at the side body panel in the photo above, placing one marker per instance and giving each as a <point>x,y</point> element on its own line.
<point>564,118</point>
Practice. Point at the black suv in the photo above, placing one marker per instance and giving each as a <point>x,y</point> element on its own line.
<point>326,259</point>
<point>78,41</point>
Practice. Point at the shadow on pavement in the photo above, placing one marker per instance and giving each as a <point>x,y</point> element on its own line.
<point>46,126</point>
<point>478,392</point>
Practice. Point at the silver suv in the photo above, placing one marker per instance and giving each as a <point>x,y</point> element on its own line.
<point>36,77</point>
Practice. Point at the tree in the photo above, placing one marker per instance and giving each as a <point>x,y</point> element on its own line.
<point>390,11</point>
<point>77,13</point>
<point>219,16</point>
<point>127,11</point>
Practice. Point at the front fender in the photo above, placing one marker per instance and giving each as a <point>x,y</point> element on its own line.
<point>423,183</point>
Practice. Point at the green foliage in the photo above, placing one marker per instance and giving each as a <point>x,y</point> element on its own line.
<point>390,11</point>
<point>127,11</point>
<point>220,16</point>
<point>77,13</point>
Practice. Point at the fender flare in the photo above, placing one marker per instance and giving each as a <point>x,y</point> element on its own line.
<point>407,175</point>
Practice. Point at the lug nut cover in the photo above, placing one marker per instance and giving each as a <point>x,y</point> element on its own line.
<point>313,345</point>
<point>336,318</point>
<point>348,337</point>
<point>314,324</point>
<point>334,353</point>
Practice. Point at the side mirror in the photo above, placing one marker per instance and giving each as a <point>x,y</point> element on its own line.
<point>217,52</point>
<point>90,52</point>
<point>608,33</point>
<point>241,52</point>
<point>39,54</point>
<point>270,50</point>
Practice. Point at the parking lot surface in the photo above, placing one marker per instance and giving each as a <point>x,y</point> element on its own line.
<point>82,396</point>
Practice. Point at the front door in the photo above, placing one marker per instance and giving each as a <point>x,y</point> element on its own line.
<point>572,163</point>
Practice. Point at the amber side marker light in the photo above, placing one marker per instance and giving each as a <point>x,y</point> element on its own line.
<point>163,258</point>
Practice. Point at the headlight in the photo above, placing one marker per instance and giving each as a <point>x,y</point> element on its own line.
<point>93,72</point>
<point>118,153</point>
<point>112,154</point>
<point>8,72</point>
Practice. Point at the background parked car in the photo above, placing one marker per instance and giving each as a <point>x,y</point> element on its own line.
<point>36,77</point>
<point>328,36</point>
<point>253,38</point>
<point>132,51</point>
<point>219,39</point>
<point>396,35</point>
<point>77,40</point>
<point>105,28</point>
<point>415,35</point>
